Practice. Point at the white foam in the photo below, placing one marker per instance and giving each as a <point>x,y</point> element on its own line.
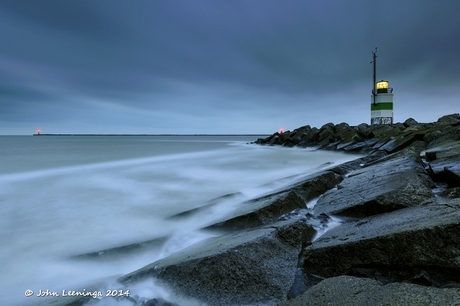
<point>50,214</point>
<point>333,223</point>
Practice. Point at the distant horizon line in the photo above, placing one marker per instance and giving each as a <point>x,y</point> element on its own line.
<point>199,134</point>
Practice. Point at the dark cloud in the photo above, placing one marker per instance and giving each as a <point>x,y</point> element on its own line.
<point>188,62</point>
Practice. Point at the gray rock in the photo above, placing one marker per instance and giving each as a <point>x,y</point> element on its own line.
<point>385,130</point>
<point>444,162</point>
<point>325,134</point>
<point>68,301</point>
<point>347,167</point>
<point>446,135</point>
<point>382,187</point>
<point>450,119</point>
<point>353,291</point>
<point>409,122</point>
<point>317,184</point>
<point>447,170</point>
<point>398,144</point>
<point>445,151</point>
<point>253,267</point>
<point>434,133</point>
<point>123,250</point>
<point>274,140</point>
<point>209,205</point>
<point>450,193</point>
<point>364,130</point>
<point>261,211</point>
<point>344,145</point>
<point>353,147</point>
<point>270,208</point>
<point>158,302</point>
<point>418,244</point>
<point>380,142</point>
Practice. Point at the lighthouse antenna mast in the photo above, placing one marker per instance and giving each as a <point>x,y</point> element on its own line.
<point>374,90</point>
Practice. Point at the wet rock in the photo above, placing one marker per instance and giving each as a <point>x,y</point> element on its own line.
<point>450,193</point>
<point>68,301</point>
<point>444,163</point>
<point>207,206</point>
<point>446,136</point>
<point>409,122</point>
<point>364,130</point>
<point>283,137</point>
<point>418,244</point>
<point>344,145</point>
<point>317,184</point>
<point>358,163</point>
<point>450,119</point>
<point>261,211</point>
<point>325,135</point>
<point>256,266</point>
<point>270,208</point>
<point>398,144</point>
<point>123,250</point>
<point>382,187</point>
<point>309,138</point>
<point>442,152</point>
<point>158,302</point>
<point>447,170</point>
<point>300,134</point>
<point>353,291</point>
<point>381,131</point>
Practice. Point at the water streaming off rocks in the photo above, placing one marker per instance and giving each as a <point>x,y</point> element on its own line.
<point>65,197</point>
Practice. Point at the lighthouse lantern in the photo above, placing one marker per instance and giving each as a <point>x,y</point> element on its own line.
<point>382,86</point>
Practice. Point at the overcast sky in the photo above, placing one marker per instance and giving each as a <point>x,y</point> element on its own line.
<point>221,66</point>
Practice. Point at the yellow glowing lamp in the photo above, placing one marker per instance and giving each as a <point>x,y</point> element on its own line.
<point>382,86</point>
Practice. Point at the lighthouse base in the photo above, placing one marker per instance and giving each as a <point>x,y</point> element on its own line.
<point>382,120</point>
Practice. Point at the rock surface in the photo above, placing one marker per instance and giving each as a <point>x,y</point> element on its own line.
<point>382,187</point>
<point>353,291</point>
<point>262,211</point>
<point>251,267</point>
<point>418,244</point>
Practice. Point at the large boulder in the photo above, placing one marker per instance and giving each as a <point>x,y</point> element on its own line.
<point>447,170</point>
<point>450,119</point>
<point>442,152</point>
<point>354,291</point>
<point>418,244</point>
<point>382,187</point>
<point>409,122</point>
<point>261,211</point>
<point>318,184</point>
<point>251,267</point>
<point>364,130</point>
<point>444,162</point>
<point>398,143</point>
<point>442,136</point>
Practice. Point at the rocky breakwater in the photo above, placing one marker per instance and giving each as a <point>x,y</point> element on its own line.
<point>400,244</point>
<point>396,239</point>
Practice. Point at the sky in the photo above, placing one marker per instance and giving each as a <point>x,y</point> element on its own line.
<point>221,66</point>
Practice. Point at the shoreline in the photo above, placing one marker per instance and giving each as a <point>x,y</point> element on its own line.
<point>399,241</point>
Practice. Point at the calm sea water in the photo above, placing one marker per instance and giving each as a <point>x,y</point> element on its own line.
<point>63,196</point>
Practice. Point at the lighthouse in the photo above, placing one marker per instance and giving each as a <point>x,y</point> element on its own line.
<point>381,99</point>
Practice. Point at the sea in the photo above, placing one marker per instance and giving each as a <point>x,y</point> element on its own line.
<point>64,197</point>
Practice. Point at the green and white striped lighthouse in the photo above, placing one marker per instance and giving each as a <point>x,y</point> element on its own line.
<point>381,100</point>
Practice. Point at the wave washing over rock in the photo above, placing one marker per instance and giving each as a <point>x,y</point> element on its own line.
<point>383,229</point>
